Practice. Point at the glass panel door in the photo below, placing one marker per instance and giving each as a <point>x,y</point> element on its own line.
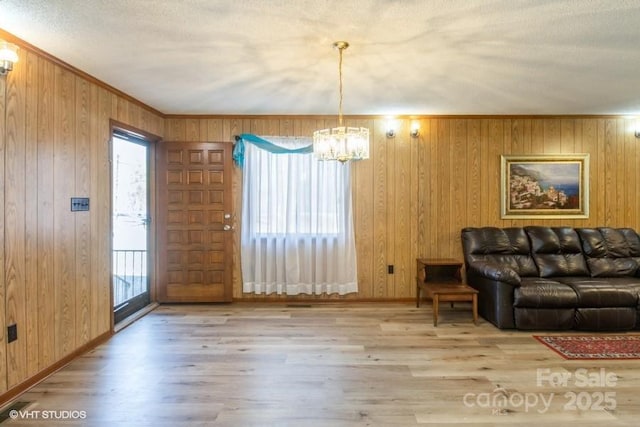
<point>130,219</point>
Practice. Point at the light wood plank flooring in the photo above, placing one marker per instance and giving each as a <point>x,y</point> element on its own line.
<point>325,365</point>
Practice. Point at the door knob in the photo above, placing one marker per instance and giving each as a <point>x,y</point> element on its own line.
<point>227,227</point>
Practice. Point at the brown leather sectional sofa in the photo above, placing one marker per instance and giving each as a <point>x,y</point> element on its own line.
<point>555,278</point>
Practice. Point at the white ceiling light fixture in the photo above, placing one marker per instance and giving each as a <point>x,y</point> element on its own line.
<point>341,143</point>
<point>8,56</point>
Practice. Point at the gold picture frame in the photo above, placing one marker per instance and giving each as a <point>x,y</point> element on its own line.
<point>548,186</point>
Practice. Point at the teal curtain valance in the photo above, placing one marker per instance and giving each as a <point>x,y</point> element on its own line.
<point>238,149</point>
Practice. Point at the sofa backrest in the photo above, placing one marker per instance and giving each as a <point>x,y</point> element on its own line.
<point>504,246</point>
<point>611,252</point>
<point>557,251</point>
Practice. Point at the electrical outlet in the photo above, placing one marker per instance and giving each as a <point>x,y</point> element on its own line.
<point>12,333</point>
<point>390,269</point>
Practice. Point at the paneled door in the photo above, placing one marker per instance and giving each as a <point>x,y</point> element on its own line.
<point>194,222</point>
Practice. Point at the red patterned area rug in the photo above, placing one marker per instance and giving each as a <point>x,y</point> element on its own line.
<point>593,347</point>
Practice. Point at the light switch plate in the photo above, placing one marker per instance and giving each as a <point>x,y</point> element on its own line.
<point>79,204</point>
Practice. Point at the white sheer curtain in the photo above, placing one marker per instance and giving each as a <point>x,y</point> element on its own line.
<point>297,224</point>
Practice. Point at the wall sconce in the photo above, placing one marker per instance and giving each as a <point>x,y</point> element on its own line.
<point>391,128</point>
<point>8,56</point>
<point>415,129</point>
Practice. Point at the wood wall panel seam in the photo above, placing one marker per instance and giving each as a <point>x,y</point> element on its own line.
<point>3,314</point>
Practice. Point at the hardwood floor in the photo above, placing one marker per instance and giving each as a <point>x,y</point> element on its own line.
<point>324,365</point>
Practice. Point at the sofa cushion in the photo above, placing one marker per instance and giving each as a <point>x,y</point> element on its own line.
<point>612,267</point>
<point>557,251</point>
<point>539,292</point>
<point>610,252</point>
<point>634,245</point>
<point>605,292</point>
<point>507,247</point>
<point>633,240</point>
<point>605,319</point>
<point>551,319</point>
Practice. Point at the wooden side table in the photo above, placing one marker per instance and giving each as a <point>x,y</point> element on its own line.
<point>441,279</point>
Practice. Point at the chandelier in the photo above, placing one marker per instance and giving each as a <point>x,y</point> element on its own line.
<point>341,143</point>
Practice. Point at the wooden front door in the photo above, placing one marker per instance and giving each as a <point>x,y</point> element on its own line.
<point>194,221</point>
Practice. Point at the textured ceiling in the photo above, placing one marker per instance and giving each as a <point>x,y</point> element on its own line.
<point>406,56</point>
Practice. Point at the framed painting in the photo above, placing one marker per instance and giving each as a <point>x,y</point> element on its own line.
<point>546,186</point>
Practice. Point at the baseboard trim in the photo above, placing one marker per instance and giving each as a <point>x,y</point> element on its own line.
<point>11,394</point>
<point>322,300</point>
<point>135,316</point>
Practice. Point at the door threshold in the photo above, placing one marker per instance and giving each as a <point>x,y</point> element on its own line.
<point>135,316</point>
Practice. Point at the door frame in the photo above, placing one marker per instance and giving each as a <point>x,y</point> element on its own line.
<point>152,140</point>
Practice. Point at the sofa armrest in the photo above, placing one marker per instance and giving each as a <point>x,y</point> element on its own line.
<point>493,271</point>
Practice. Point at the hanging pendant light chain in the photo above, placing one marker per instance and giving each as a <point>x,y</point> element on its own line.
<point>340,49</point>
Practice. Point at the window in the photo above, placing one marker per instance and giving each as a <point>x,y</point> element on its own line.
<point>297,194</point>
<point>297,226</point>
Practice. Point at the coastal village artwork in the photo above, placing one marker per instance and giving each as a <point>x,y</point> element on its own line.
<point>532,186</point>
<point>543,185</point>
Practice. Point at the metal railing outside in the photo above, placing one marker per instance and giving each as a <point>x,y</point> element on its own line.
<point>130,275</point>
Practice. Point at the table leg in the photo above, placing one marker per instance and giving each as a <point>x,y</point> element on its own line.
<point>475,309</point>
<point>435,309</point>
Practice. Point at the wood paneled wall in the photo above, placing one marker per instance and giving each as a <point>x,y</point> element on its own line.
<point>55,269</point>
<point>414,195</point>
